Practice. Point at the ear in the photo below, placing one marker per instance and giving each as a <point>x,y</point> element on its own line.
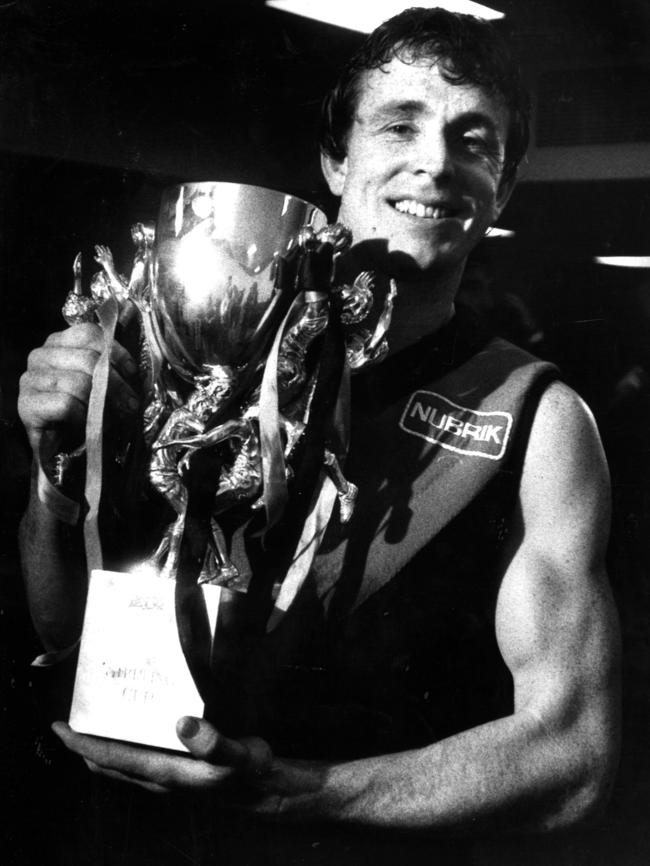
<point>503,194</point>
<point>335,172</point>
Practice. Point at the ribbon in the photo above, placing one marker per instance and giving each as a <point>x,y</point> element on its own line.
<point>108,316</point>
<point>274,474</point>
<point>308,544</point>
<point>61,506</point>
<point>54,657</point>
<point>320,512</point>
<point>193,623</point>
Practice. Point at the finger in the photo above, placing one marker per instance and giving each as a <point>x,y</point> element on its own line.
<point>122,777</point>
<point>89,340</point>
<point>80,358</point>
<point>57,380</point>
<point>205,742</point>
<point>124,758</point>
<point>41,410</point>
<point>123,362</point>
<point>71,370</point>
<point>260,756</point>
<point>53,395</point>
<point>251,755</point>
<point>86,335</point>
<point>142,765</point>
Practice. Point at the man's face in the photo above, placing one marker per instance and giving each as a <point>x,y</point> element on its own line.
<point>423,166</point>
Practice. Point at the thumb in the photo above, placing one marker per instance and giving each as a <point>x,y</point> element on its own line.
<point>207,744</point>
<point>204,742</point>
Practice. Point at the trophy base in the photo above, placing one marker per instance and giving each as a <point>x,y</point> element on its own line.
<point>132,681</point>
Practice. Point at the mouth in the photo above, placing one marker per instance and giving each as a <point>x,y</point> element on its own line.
<point>423,211</point>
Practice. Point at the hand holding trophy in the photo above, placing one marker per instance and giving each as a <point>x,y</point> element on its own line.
<point>243,358</point>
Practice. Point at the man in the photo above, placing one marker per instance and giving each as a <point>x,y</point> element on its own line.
<point>469,689</point>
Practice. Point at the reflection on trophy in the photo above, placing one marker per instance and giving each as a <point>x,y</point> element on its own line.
<point>245,338</point>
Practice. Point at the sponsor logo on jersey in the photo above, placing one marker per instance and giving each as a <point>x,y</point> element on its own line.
<point>466,431</point>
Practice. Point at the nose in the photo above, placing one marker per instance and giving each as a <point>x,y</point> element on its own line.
<point>432,156</point>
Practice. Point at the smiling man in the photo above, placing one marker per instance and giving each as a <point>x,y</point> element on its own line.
<point>423,167</point>
<point>455,670</point>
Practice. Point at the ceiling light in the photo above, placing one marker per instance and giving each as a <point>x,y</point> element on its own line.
<point>624,261</point>
<point>366,16</point>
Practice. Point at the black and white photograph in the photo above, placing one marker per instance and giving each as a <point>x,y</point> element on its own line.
<point>324,433</point>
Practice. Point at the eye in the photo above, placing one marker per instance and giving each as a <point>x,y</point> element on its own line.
<point>480,146</point>
<point>475,141</point>
<point>400,129</point>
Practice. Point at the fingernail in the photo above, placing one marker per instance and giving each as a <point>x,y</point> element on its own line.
<point>188,727</point>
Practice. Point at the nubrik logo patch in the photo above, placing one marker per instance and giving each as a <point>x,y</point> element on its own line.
<point>466,431</point>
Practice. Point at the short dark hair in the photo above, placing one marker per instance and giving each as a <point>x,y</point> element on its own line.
<point>471,51</point>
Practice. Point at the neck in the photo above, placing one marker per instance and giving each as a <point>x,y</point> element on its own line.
<point>422,306</point>
<point>424,301</point>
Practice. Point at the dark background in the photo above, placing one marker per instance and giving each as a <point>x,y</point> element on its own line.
<point>103,104</point>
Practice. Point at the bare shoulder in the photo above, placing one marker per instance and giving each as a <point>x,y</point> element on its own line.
<point>565,476</point>
<point>564,424</point>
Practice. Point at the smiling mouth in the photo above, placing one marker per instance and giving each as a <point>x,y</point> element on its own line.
<point>424,211</point>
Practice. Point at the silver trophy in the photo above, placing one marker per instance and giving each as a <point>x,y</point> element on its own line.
<point>245,337</point>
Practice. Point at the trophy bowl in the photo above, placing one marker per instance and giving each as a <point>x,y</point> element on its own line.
<point>217,249</point>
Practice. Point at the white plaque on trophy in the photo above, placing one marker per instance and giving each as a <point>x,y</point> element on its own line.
<point>132,681</point>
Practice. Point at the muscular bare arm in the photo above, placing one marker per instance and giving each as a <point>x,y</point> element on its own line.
<point>547,765</point>
<point>551,762</point>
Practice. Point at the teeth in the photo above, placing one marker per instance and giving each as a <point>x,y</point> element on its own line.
<point>418,209</point>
